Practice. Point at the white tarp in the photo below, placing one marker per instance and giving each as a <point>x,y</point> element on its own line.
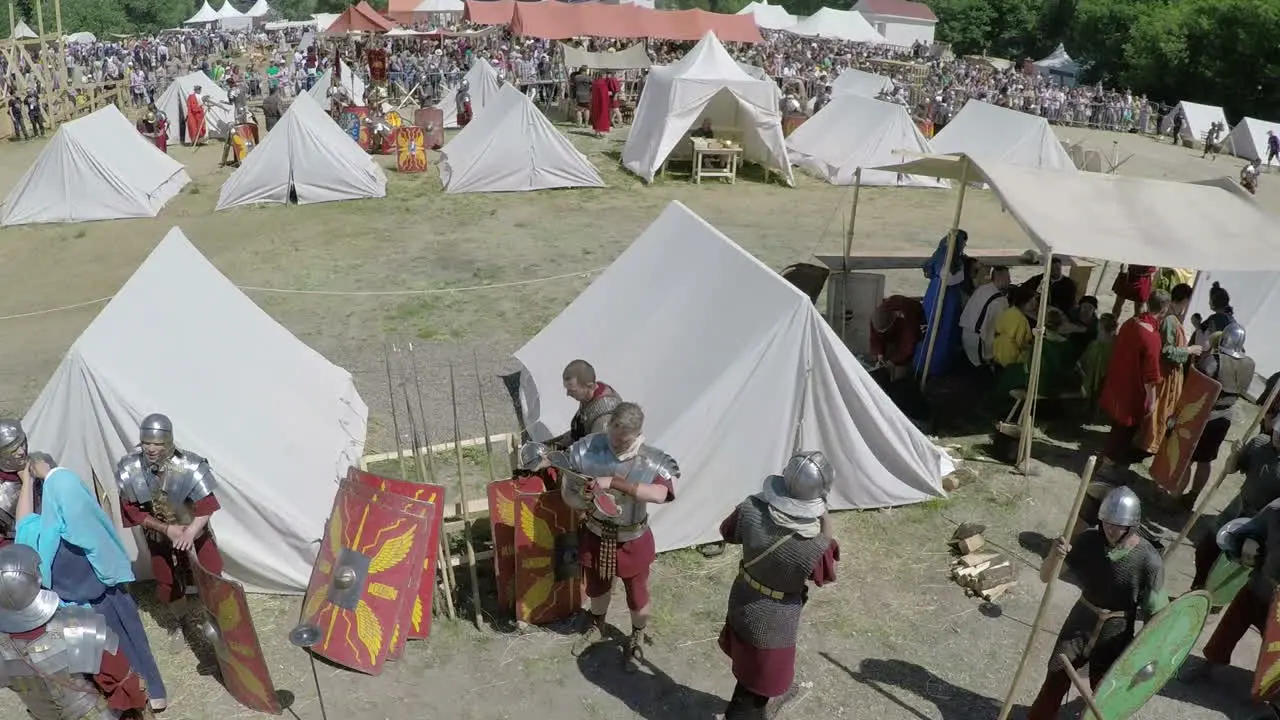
<point>766,362</point>
<point>1248,139</point>
<point>440,6</point>
<point>352,82</point>
<point>95,168</point>
<point>988,132</point>
<point>308,156</point>
<point>861,82</point>
<point>769,17</point>
<point>513,147</point>
<point>23,31</point>
<point>848,25</point>
<point>206,14</point>
<point>853,132</point>
<point>1059,63</point>
<point>483,84</point>
<point>1196,120</point>
<point>278,423</point>
<point>219,116</point>
<point>1255,298</point>
<point>82,38</point>
<point>705,83</point>
<point>635,57</point>
<point>324,20</point>
<point>259,9</point>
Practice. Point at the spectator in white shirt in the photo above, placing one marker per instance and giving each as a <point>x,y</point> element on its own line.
<point>978,319</point>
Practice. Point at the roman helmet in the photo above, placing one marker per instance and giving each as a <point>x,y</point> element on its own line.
<point>157,428</point>
<point>802,488</point>
<point>13,446</point>
<point>1231,343</point>
<point>1121,507</point>
<point>24,605</point>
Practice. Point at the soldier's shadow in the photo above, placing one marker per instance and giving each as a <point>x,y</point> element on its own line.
<point>952,701</point>
<point>649,692</point>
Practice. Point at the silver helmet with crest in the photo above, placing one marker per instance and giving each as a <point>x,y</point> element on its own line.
<point>157,429</point>
<point>802,488</point>
<point>13,445</point>
<point>24,604</point>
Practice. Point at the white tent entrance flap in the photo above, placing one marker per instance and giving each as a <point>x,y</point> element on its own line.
<point>767,363</point>
<point>278,423</point>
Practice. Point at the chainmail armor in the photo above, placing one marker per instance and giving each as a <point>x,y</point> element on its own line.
<point>593,415</point>
<point>762,621</point>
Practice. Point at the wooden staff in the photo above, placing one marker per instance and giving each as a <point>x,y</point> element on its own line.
<point>1055,560</point>
<point>842,302</point>
<point>1027,436</point>
<point>944,274</point>
<point>395,420</point>
<point>445,543</point>
<point>1225,470</point>
<point>1081,687</point>
<point>445,590</point>
<point>484,419</point>
<point>462,496</point>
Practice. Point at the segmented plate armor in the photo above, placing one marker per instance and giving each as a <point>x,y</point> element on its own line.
<point>185,479</point>
<point>592,456</point>
<point>51,673</point>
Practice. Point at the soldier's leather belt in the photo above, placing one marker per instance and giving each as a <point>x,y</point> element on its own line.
<point>602,528</point>
<point>760,587</point>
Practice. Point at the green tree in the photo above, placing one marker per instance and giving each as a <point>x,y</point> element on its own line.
<point>965,24</point>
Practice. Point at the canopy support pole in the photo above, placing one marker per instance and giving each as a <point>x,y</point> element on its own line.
<point>944,275</point>
<point>1033,378</point>
<point>842,302</point>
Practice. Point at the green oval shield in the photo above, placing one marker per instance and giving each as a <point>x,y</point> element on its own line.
<point>1225,580</point>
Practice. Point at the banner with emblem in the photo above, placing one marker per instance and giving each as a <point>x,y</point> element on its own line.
<point>548,579</point>
<point>229,628</point>
<point>1183,430</point>
<point>377,59</point>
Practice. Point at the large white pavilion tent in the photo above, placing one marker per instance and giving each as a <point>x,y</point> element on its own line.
<point>769,17</point>
<point>848,25</point>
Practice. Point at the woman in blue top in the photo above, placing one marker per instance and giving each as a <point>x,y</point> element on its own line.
<point>83,560</point>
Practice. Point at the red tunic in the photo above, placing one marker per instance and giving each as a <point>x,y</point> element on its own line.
<point>769,672</point>
<point>634,556</point>
<point>1134,283</point>
<point>1135,363</point>
<point>197,128</point>
<point>898,343</point>
<point>168,566</point>
<point>119,685</point>
<point>601,105</point>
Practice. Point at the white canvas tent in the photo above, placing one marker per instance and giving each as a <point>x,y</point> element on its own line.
<point>853,132</point>
<point>95,168</point>
<point>229,18</point>
<point>513,147</point>
<point>766,363</point>
<point>1255,298</point>
<point>205,14</point>
<point>848,25</point>
<point>1197,119</point>
<point>305,157</point>
<point>352,82</point>
<point>259,9</point>
<point>769,17</point>
<point>278,423</point>
<point>219,116</point>
<point>861,82</point>
<point>706,82</point>
<point>1248,139</point>
<point>992,133</point>
<point>23,31</point>
<point>1060,65</point>
<point>483,84</point>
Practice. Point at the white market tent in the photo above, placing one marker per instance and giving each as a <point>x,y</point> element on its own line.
<point>861,82</point>
<point>513,147</point>
<point>483,84</point>
<point>769,17</point>
<point>767,363</point>
<point>352,82</point>
<point>219,116</point>
<point>277,472</point>
<point>706,82</point>
<point>306,157</point>
<point>95,168</point>
<point>988,132</point>
<point>205,14</point>
<point>23,31</point>
<point>1197,119</point>
<point>82,38</point>
<point>1248,139</point>
<point>324,20</point>
<point>1059,64</point>
<point>853,132</point>
<point>259,9</point>
<point>847,25</point>
<point>440,6</point>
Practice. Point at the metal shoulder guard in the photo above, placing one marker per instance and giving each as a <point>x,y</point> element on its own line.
<point>132,479</point>
<point>192,477</point>
<point>591,456</point>
<point>84,638</point>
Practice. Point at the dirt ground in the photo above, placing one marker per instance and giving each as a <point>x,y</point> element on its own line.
<point>894,639</point>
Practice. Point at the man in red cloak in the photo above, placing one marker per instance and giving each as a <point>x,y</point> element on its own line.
<point>197,127</point>
<point>1133,374</point>
<point>601,106</point>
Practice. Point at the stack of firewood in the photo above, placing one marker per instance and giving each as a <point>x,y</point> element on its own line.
<point>988,575</point>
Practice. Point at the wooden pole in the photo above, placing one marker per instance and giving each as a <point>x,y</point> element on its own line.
<point>1081,687</point>
<point>40,20</point>
<point>1055,568</point>
<point>945,274</point>
<point>1225,470</point>
<point>1033,378</point>
<point>842,302</point>
<point>13,23</point>
<point>395,420</point>
<point>462,495</point>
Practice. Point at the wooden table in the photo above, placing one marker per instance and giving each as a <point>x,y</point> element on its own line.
<point>704,148</point>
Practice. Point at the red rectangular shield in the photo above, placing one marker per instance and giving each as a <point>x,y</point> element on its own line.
<point>421,614</point>
<point>431,120</point>
<point>502,514</point>
<point>411,149</point>
<point>244,668</point>
<point>1266,678</point>
<point>1169,466</point>
<point>548,581</point>
<point>365,578</point>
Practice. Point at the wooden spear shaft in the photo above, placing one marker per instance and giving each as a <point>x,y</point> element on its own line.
<point>395,420</point>
<point>1081,687</point>
<point>462,496</point>
<point>445,590</point>
<point>451,582</point>
<point>1055,566</point>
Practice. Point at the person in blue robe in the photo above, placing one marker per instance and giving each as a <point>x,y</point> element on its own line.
<point>83,560</point>
<point>948,341</point>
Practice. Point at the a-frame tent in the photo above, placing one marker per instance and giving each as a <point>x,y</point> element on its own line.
<point>989,132</point>
<point>513,147</point>
<point>768,369</point>
<point>278,423</point>
<point>853,131</point>
<point>860,82</point>
<point>305,158</point>
<point>219,116</point>
<point>352,82</point>
<point>482,83</point>
<point>1248,139</point>
<point>1197,120</point>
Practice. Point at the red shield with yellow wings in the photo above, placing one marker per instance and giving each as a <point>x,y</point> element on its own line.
<point>365,580</point>
<point>411,150</point>
<point>1185,426</point>
<point>1266,678</point>
<point>502,525</point>
<point>421,613</point>
<point>229,628</point>
<point>548,580</point>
